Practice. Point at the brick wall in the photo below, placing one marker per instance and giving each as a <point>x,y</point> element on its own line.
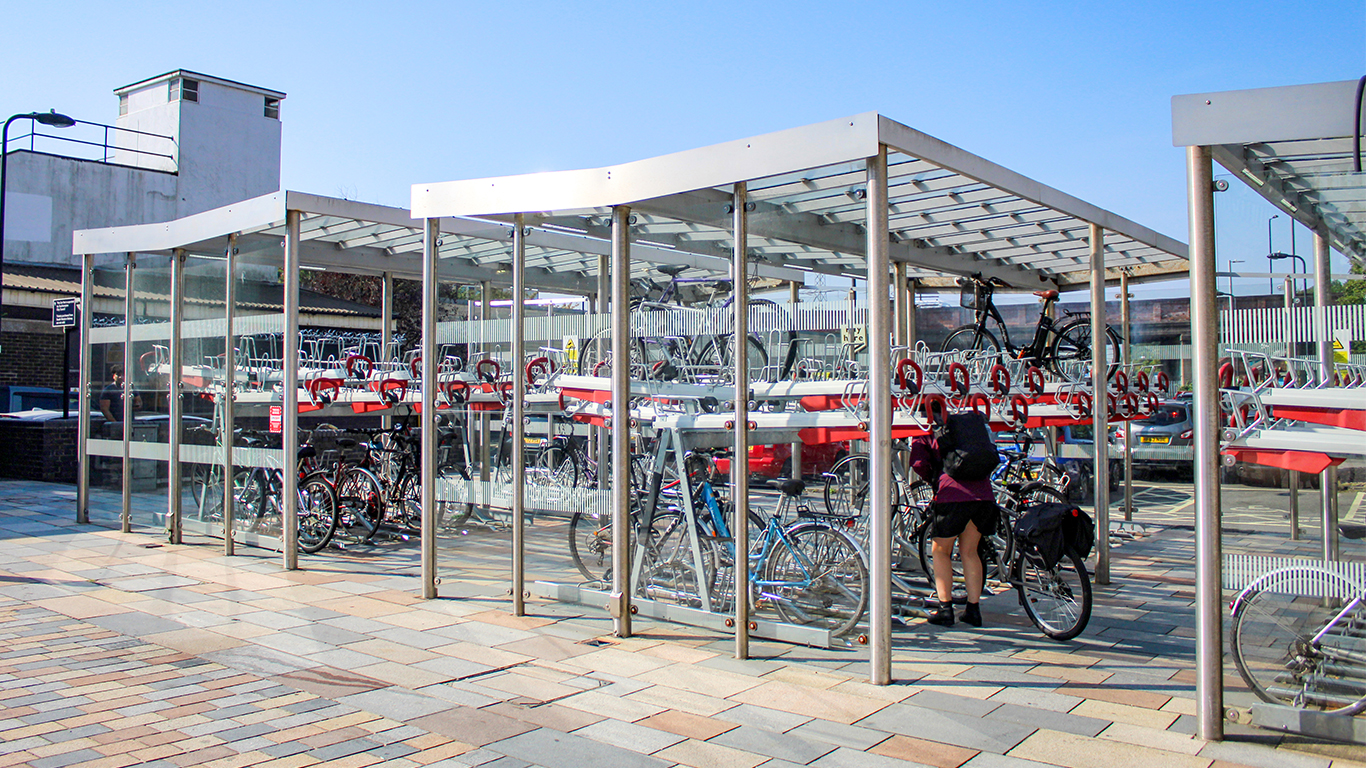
<point>38,450</point>
<point>31,354</point>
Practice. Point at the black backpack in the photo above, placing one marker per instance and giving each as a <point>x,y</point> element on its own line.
<point>965,442</point>
<point>1052,530</point>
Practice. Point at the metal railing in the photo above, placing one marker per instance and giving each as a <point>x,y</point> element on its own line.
<point>105,149</point>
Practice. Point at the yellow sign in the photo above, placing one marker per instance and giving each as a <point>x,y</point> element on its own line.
<point>571,349</point>
<point>1342,342</point>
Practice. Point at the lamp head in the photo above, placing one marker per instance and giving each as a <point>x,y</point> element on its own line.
<point>53,119</point>
<point>1278,256</point>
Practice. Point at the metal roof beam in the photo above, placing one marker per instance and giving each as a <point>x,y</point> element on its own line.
<point>708,207</point>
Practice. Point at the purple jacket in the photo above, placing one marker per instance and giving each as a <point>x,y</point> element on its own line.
<point>928,462</point>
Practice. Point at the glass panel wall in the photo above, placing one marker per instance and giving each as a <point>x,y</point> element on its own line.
<point>108,364</point>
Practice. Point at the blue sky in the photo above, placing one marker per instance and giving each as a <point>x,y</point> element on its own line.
<point>381,96</point>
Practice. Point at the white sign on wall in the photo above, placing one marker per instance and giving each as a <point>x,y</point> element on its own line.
<point>28,217</point>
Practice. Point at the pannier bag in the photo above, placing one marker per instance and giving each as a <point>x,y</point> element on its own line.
<point>1053,529</point>
<point>969,451</point>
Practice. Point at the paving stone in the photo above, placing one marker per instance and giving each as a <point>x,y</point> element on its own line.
<point>552,749</point>
<point>630,736</point>
<point>852,758</point>
<point>947,727</point>
<point>839,734</point>
<point>1030,717</point>
<point>788,746</point>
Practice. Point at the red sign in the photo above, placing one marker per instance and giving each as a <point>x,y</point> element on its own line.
<point>277,418</point>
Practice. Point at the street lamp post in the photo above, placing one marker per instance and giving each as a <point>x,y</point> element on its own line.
<point>1231,262</point>
<point>1270,283</point>
<point>50,119</point>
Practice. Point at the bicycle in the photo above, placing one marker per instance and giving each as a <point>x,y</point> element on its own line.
<point>1298,637</point>
<point>671,357</point>
<point>1056,599</point>
<point>1059,347</point>
<point>809,572</point>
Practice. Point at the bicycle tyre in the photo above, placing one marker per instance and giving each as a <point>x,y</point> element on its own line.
<point>1071,346</point>
<point>837,594</point>
<point>1049,595</point>
<point>967,338</point>
<point>846,487</point>
<point>360,505</point>
<point>1273,624</point>
<point>249,500</point>
<point>555,467</point>
<point>317,514</point>
<point>986,551</point>
<point>453,514</point>
<point>590,546</point>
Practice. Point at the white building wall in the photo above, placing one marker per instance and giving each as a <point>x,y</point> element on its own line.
<point>49,197</point>
<point>229,150</point>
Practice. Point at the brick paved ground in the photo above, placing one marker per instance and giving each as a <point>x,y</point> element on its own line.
<point>121,650</point>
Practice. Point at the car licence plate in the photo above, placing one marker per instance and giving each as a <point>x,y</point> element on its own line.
<point>1162,440</point>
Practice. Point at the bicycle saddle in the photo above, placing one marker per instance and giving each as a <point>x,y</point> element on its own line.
<point>346,442</point>
<point>792,488</point>
<point>1046,295</point>
<point>1352,530</point>
<point>307,452</point>
<point>673,270</point>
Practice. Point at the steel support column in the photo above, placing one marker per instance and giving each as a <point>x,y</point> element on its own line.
<point>1125,331</point>
<point>431,229</point>
<point>175,408</point>
<point>910,312</point>
<point>227,416</point>
<point>1290,352</point>
<point>795,298</point>
<point>1100,411</point>
<point>739,465</point>
<point>879,424</point>
<point>621,422</point>
<point>386,330</point>
<point>289,401</point>
<point>126,515</point>
<point>901,337</point>
<point>603,351</point>
<point>1209,632</point>
<point>518,415</point>
<point>83,402</point>
<point>1323,335</point>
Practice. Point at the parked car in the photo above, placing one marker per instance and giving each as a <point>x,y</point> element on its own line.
<point>771,462</point>
<point>1162,440</point>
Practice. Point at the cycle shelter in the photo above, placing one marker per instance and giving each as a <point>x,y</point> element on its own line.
<point>1294,146</point>
<point>552,469</point>
<point>865,198</point>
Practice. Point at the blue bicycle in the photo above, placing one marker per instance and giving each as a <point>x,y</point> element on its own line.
<point>809,572</point>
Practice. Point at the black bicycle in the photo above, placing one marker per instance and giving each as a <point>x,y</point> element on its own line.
<point>1062,347</point>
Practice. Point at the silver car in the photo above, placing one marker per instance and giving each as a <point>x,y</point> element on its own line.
<point>1164,438</point>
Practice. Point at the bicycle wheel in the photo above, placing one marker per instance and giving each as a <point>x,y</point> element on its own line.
<point>452,514</point>
<point>846,487</point>
<point>556,467</point>
<point>1057,599</point>
<point>249,500</point>
<point>1275,622</point>
<point>670,572</point>
<point>969,338</point>
<point>988,551</point>
<point>317,514</point>
<point>360,505</point>
<point>815,576</point>
<point>590,545</point>
<point>408,498</point>
<point>1070,351</point>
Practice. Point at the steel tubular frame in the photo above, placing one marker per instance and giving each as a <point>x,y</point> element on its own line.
<point>126,515</point>
<point>739,471</point>
<point>229,385</point>
<point>83,412</point>
<point>1100,412</point>
<point>289,421</point>
<point>176,407</point>
<point>1328,479</point>
<point>1209,690</point>
<point>518,414</point>
<point>621,427</point>
<point>880,476</point>
<point>1128,433</point>
<point>430,284</point>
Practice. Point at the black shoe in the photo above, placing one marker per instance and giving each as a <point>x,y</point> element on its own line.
<point>972,614</point>
<point>942,616</point>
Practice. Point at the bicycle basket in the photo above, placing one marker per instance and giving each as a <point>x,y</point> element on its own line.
<point>975,295</point>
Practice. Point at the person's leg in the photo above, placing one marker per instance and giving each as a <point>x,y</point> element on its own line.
<point>943,570</point>
<point>968,542</point>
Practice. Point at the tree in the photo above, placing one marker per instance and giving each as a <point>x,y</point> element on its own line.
<point>1349,291</point>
